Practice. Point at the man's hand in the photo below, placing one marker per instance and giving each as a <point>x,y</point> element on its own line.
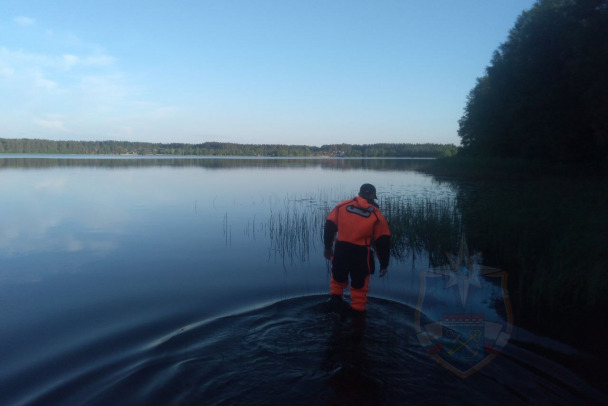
<point>383,272</point>
<point>328,254</point>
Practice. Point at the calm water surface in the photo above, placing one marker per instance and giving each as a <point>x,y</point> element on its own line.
<point>202,281</point>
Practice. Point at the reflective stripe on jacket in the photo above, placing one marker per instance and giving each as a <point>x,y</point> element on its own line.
<point>358,222</point>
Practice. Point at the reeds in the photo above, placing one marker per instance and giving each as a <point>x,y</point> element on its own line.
<point>419,227</point>
<point>424,226</point>
<point>550,235</point>
<point>294,228</point>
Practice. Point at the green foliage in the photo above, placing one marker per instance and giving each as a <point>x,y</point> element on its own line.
<point>36,146</point>
<point>545,93</point>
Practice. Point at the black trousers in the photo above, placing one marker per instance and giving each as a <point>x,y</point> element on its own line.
<point>354,260</point>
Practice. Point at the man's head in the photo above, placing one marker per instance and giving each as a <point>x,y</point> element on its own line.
<point>368,192</point>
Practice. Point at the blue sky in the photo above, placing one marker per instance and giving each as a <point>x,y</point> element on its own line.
<point>261,72</point>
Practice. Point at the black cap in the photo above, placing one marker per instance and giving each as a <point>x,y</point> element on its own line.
<point>368,191</point>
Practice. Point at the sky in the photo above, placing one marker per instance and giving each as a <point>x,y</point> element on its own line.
<point>305,72</point>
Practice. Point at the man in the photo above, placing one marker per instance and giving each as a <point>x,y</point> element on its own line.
<point>360,228</point>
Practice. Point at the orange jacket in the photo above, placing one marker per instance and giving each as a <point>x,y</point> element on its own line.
<point>359,222</point>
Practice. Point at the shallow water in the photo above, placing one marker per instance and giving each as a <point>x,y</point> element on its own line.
<point>293,351</point>
<point>166,281</point>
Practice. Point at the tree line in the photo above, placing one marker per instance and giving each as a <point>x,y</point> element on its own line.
<point>545,93</point>
<point>39,146</point>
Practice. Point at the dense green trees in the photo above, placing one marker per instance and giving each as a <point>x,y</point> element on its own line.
<point>36,146</point>
<point>545,93</point>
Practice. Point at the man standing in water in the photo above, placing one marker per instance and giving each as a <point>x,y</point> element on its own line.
<point>360,228</point>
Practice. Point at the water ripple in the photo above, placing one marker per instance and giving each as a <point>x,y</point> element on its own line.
<point>295,352</point>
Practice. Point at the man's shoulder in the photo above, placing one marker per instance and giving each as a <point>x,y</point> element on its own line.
<point>379,213</point>
<point>345,202</point>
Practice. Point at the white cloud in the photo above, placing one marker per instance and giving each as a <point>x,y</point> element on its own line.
<point>104,88</point>
<point>55,64</point>
<point>99,60</point>
<point>73,88</point>
<point>39,84</point>
<point>6,71</point>
<point>24,21</point>
<point>40,81</point>
<point>50,123</point>
<point>69,61</point>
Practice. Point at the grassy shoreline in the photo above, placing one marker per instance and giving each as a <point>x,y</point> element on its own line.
<point>546,225</point>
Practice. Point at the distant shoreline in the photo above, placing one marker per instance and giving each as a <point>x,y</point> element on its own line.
<point>128,148</point>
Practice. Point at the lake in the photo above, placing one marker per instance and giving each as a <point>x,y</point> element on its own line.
<point>163,280</point>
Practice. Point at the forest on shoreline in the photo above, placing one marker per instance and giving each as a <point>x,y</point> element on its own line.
<point>544,95</point>
<point>39,146</point>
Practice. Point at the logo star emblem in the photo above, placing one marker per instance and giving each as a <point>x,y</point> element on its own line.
<point>464,270</point>
<point>463,328</point>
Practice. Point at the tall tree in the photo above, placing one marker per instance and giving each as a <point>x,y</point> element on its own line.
<point>545,92</point>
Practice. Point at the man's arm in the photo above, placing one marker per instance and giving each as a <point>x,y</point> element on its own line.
<point>328,238</point>
<point>383,250</point>
<point>329,233</point>
<point>382,242</point>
